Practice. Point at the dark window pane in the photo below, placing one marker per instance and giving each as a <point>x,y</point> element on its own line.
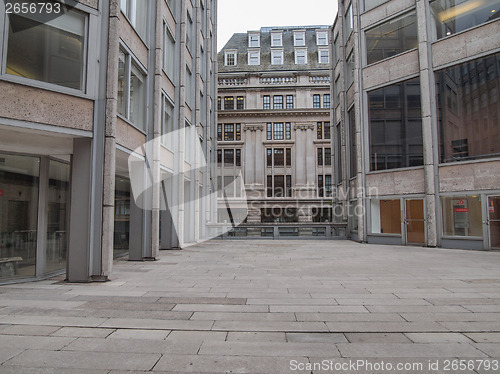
<point>269,157</point>
<point>279,157</point>
<point>469,110</point>
<point>288,156</point>
<point>395,126</point>
<point>391,38</point>
<point>228,157</point>
<point>279,185</point>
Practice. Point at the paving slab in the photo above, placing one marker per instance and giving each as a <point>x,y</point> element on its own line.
<point>134,334</point>
<point>374,337</point>
<point>83,332</point>
<point>307,337</point>
<point>257,336</point>
<point>29,330</point>
<point>486,337</point>
<point>440,337</point>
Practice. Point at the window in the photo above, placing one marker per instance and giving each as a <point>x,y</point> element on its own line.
<point>269,185</point>
<point>238,131</point>
<point>278,131</point>
<point>229,131</point>
<point>391,38</point>
<point>321,186</point>
<point>370,4</point>
<point>466,131</point>
<point>279,157</point>
<point>279,186</point>
<point>349,21</point>
<point>253,57</point>
<point>189,33</point>
<point>456,16</point>
<point>385,216</point>
<point>131,90</point>
<point>278,102</point>
<point>254,40</point>
<point>288,160</point>
<point>316,101</point>
<point>323,130</point>
<point>219,103</point>
<point>167,124</point>
<point>228,157</point>
<point>190,88</point>
<point>269,131</point>
<point>230,58</point>
<point>328,156</point>
<point>277,57</point>
<point>353,145</point>
<point>219,132</point>
<point>289,101</point>
<point>299,38</point>
<point>240,102</point>
<point>327,131</point>
<point>168,51</point>
<point>395,126</point>
<point>326,101</point>
<point>320,156</point>
<point>319,130</point>
<point>323,56</point>
<point>276,39</point>
<point>289,186</point>
<point>51,52</point>
<point>269,158</point>
<point>336,48</point>
<point>301,56</point>
<point>171,5</point>
<point>219,158</point>
<point>238,157</point>
<point>338,153</point>
<point>288,131</point>
<point>350,70</point>
<point>321,37</point>
<point>137,13</point>
<point>328,185</point>
<point>462,216</point>
<point>267,102</point>
<point>228,103</point>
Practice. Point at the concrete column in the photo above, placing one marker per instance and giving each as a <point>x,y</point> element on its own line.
<point>427,97</point>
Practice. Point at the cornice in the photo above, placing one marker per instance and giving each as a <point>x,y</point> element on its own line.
<point>272,113</point>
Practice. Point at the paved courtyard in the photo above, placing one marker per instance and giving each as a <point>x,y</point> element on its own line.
<point>264,307</point>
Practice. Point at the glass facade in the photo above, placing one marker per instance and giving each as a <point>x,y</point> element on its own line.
<point>122,216</point>
<point>469,110</point>
<point>19,188</point>
<point>462,216</point>
<point>452,16</point>
<point>51,52</point>
<point>395,126</point>
<point>391,38</point>
<point>56,246</point>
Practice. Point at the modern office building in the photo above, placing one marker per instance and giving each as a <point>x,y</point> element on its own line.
<point>274,124</point>
<point>417,121</point>
<point>80,94</point>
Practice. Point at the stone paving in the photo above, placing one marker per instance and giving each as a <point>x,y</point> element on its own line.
<point>263,307</point>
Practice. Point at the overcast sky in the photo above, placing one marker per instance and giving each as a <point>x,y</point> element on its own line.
<point>243,15</point>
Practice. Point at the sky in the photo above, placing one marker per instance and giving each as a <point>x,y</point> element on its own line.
<point>243,15</point>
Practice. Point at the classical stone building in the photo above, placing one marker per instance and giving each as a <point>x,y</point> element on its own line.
<point>274,123</point>
<point>79,95</point>
<point>417,121</point>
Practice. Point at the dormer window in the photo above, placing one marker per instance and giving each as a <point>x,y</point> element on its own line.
<point>230,58</point>
<point>321,37</point>
<point>254,40</point>
<point>299,38</point>
<point>276,39</point>
<point>254,57</point>
<point>277,57</point>
<point>301,56</point>
<point>323,56</point>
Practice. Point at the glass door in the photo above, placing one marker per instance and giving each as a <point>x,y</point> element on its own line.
<point>494,221</point>
<point>415,222</point>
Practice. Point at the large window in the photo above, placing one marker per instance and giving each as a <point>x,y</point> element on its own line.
<point>316,101</point>
<point>289,101</point>
<point>267,102</point>
<point>167,124</point>
<point>137,13</point>
<point>131,90</point>
<point>349,21</point>
<point>395,124</point>
<point>19,181</point>
<point>168,51</point>
<point>386,216</point>
<point>391,38</point>
<point>51,52</point>
<point>469,110</point>
<point>462,216</point>
<point>278,157</point>
<point>228,103</point>
<point>452,16</point>
<point>323,130</point>
<point>300,56</point>
<point>278,102</point>
<point>279,186</point>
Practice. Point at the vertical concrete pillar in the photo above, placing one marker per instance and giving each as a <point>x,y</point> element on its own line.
<point>249,162</point>
<point>427,96</point>
<point>310,157</point>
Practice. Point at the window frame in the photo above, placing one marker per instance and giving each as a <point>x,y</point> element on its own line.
<point>298,55</point>
<point>296,38</point>
<point>229,53</point>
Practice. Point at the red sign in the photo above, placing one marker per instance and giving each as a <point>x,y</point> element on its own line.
<point>492,209</point>
<point>1,193</point>
<point>461,210</point>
